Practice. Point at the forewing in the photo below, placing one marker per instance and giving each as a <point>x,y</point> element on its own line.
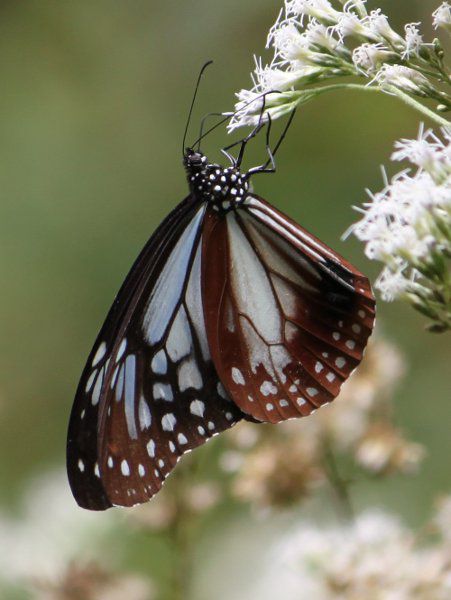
<point>287,318</point>
<point>149,391</point>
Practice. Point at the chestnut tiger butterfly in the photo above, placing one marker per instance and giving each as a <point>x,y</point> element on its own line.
<point>231,311</point>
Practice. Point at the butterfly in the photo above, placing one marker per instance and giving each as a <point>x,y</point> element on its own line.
<point>232,311</point>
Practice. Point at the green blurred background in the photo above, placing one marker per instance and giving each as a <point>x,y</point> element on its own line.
<point>93,103</point>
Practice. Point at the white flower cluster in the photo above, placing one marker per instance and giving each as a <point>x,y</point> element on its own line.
<point>407,225</point>
<point>375,557</point>
<point>442,16</point>
<point>310,41</point>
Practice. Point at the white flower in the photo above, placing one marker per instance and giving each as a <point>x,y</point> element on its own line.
<point>319,9</point>
<point>291,45</point>
<point>402,77</point>
<point>442,16</point>
<point>349,24</point>
<point>414,41</point>
<point>428,152</point>
<point>321,37</point>
<point>379,24</point>
<point>392,284</point>
<point>369,57</point>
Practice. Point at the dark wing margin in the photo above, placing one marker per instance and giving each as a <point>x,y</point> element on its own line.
<point>149,392</point>
<point>82,439</point>
<point>287,318</point>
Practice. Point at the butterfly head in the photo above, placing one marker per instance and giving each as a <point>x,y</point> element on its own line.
<point>223,187</point>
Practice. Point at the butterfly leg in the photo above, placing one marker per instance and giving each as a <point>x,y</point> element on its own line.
<point>260,124</point>
<point>265,168</point>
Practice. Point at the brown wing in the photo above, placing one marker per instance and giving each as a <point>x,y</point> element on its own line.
<point>287,318</point>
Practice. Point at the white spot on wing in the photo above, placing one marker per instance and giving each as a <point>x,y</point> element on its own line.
<point>97,389</point>
<point>121,350</point>
<point>268,387</point>
<point>221,391</point>
<point>120,384</point>
<point>340,362</point>
<point>168,422</point>
<point>179,341</point>
<point>159,364</point>
<point>99,354</point>
<point>311,391</point>
<point>151,448</point>
<point>145,418</point>
<point>197,408</point>
<point>90,380</point>
<point>237,376</point>
<point>181,438</point>
<point>125,469</point>
<point>189,375</point>
<point>162,391</point>
<point>81,465</point>
<point>129,407</point>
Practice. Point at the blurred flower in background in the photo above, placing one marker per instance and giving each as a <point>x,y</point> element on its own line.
<point>374,557</point>
<point>51,549</point>
<point>277,467</point>
<point>91,582</point>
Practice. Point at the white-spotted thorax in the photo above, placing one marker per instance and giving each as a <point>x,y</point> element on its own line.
<point>225,188</point>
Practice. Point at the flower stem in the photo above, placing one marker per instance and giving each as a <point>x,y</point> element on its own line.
<point>310,93</point>
<point>338,484</point>
<point>417,105</point>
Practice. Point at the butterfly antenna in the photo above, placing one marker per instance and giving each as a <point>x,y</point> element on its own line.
<point>209,62</point>
<point>229,115</point>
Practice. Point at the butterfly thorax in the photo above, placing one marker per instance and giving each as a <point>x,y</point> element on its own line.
<point>223,187</point>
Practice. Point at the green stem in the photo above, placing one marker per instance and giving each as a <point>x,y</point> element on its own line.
<point>181,534</point>
<point>338,484</point>
<point>417,105</point>
<point>310,93</point>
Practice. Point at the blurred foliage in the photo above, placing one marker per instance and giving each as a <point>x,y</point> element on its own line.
<point>93,104</point>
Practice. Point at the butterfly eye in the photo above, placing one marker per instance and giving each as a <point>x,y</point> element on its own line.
<point>193,159</point>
